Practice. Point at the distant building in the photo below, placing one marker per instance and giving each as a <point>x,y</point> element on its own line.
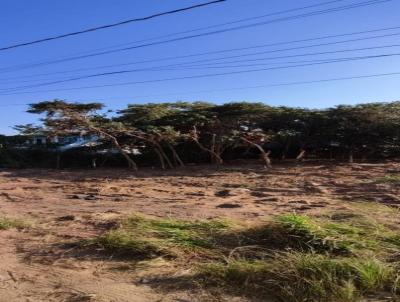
<point>60,143</point>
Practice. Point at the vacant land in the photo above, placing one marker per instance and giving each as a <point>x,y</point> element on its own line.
<point>299,232</point>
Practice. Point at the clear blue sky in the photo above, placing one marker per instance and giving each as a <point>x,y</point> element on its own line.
<point>24,20</point>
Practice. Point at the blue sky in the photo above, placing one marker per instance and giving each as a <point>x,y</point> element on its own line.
<point>25,20</point>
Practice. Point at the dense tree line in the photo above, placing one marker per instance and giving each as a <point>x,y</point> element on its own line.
<point>178,133</point>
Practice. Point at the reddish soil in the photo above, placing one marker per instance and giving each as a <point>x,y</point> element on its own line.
<point>74,205</point>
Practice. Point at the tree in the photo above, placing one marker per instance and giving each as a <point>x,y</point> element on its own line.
<point>66,118</point>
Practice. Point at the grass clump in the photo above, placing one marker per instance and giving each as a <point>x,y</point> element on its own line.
<point>138,235</point>
<point>340,257</point>
<point>300,232</point>
<point>123,242</point>
<point>296,276</point>
<point>344,256</point>
<point>12,223</point>
<point>390,178</point>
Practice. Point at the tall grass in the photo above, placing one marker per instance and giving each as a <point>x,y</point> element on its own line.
<point>147,237</point>
<point>296,276</point>
<point>341,256</point>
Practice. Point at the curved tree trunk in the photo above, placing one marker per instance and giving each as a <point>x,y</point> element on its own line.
<point>214,155</point>
<point>113,139</point>
<point>301,155</point>
<point>351,156</point>
<point>161,158</point>
<point>131,163</point>
<point>264,155</point>
<point>175,154</point>
<point>160,149</point>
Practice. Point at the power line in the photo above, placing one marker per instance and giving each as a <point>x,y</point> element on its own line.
<point>318,62</point>
<point>235,49</point>
<point>294,48</point>
<point>202,66</point>
<point>224,24</point>
<point>202,75</point>
<point>297,55</point>
<point>314,13</point>
<point>110,25</point>
<point>274,85</point>
<point>396,73</point>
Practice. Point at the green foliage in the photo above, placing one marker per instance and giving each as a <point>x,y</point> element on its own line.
<point>176,130</point>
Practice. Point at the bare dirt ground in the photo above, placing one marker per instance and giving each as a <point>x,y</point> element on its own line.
<point>68,206</point>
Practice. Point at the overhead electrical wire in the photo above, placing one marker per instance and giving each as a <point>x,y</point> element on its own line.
<point>190,65</point>
<point>210,66</point>
<point>200,76</point>
<point>215,64</point>
<point>365,76</point>
<point>193,63</point>
<point>224,24</point>
<point>294,83</point>
<point>305,15</point>
<point>97,28</point>
<point>8,79</point>
<point>294,48</point>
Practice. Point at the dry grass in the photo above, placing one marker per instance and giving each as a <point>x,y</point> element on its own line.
<point>340,256</point>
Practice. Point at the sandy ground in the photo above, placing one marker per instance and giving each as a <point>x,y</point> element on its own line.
<point>73,205</point>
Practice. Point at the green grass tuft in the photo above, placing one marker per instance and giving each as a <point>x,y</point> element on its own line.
<point>12,223</point>
<point>390,178</point>
<point>138,235</point>
<point>342,256</point>
<point>302,277</point>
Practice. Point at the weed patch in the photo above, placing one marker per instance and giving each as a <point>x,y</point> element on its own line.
<point>343,256</point>
<point>295,276</point>
<point>390,178</point>
<point>141,236</point>
<point>12,223</point>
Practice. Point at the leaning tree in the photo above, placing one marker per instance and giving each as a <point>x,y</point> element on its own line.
<point>61,117</point>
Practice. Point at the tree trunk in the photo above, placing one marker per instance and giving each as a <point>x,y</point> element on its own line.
<point>266,159</point>
<point>160,149</point>
<point>131,163</point>
<point>161,158</point>
<point>286,149</point>
<point>264,155</point>
<point>214,155</point>
<point>301,155</point>
<point>351,156</point>
<point>58,161</point>
<point>94,163</point>
<point>213,145</point>
<point>175,154</point>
